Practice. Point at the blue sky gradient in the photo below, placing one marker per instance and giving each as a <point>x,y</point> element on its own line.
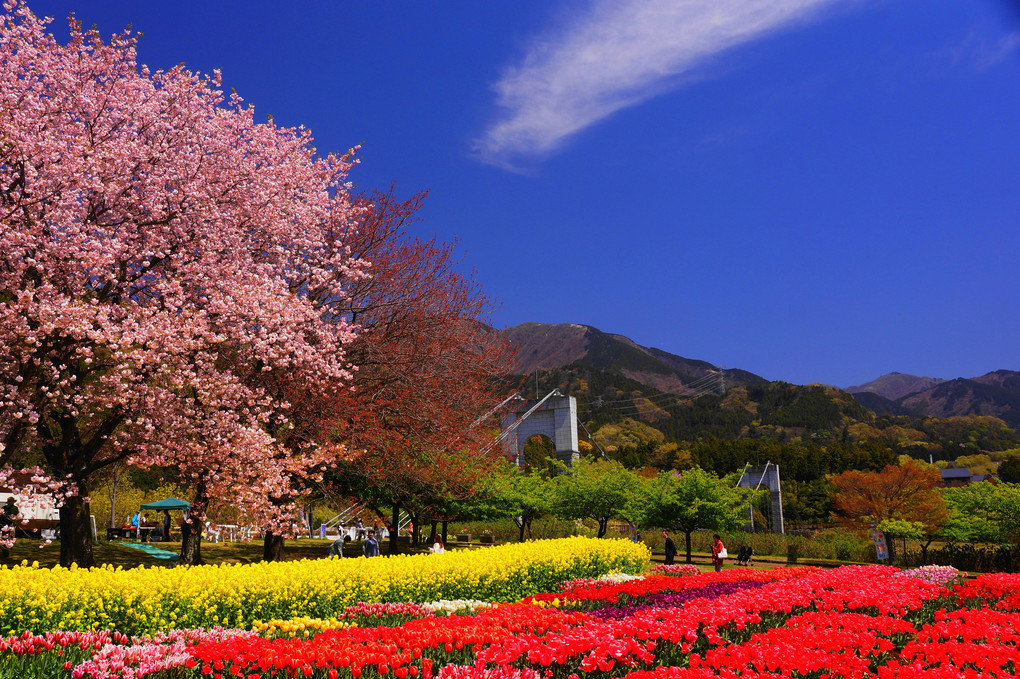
<point>823,192</point>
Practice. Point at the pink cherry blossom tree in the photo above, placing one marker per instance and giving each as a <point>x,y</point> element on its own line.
<point>166,262</point>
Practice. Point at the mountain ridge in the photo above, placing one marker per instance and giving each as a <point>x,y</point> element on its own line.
<point>545,347</point>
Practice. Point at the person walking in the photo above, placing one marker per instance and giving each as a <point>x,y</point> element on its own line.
<point>718,553</point>
<point>670,549</point>
<point>370,547</point>
<point>336,548</point>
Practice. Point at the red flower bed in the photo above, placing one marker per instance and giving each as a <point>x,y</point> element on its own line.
<point>801,623</point>
<point>852,622</point>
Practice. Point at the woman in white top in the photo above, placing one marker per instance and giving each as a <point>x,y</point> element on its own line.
<point>437,545</point>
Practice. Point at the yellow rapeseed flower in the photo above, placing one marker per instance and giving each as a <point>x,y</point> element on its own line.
<point>146,600</point>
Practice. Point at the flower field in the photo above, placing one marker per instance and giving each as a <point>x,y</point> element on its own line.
<point>854,621</point>
<point>148,600</point>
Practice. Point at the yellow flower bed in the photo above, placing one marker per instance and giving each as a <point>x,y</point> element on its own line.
<point>146,600</point>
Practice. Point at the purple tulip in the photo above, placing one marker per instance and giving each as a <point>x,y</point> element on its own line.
<point>675,599</point>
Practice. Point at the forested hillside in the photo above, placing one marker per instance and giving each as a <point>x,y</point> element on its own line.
<point>810,431</point>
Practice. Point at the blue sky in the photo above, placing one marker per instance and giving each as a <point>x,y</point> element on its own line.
<point>812,190</point>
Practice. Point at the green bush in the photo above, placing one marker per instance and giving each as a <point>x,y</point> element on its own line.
<point>505,530</point>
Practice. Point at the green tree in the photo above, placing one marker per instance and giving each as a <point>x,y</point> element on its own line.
<point>1009,470</point>
<point>985,512</point>
<point>522,496</point>
<point>976,464</point>
<point>687,502</point>
<point>539,454</point>
<point>597,490</point>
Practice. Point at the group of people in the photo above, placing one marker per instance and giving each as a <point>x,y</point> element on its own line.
<point>719,553</point>
<point>141,520</point>
<point>370,546</point>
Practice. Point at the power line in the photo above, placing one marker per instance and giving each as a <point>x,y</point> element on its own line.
<point>660,399</point>
<point>676,400</point>
<point>513,427</point>
<point>712,378</point>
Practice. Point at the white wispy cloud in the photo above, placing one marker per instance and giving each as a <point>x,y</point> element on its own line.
<point>980,53</point>
<point>617,54</point>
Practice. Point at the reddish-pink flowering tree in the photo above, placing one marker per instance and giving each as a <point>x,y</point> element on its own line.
<point>167,263</point>
<point>428,366</point>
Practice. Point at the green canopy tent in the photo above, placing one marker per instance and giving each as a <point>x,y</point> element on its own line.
<point>169,504</point>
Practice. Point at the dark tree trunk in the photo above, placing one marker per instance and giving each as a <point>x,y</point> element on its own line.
<point>435,524</point>
<point>603,527</point>
<point>890,543</point>
<point>191,528</point>
<point>444,532</point>
<point>76,531</point>
<point>521,524</point>
<point>687,542</point>
<point>272,547</point>
<point>394,529</point>
<point>415,529</point>
<point>70,457</point>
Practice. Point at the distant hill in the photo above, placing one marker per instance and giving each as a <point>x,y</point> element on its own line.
<point>896,385</point>
<point>881,405</point>
<point>996,394</point>
<point>542,346</point>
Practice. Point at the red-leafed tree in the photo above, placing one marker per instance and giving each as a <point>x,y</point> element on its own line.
<point>168,276</point>
<point>907,494</point>
<point>428,365</point>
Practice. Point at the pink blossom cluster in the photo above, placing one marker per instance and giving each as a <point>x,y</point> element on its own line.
<point>939,575</point>
<point>171,267</point>
<point>608,579</point>
<point>33,489</point>
<point>500,672</point>
<point>380,610</point>
<point>133,657</point>
<point>675,569</point>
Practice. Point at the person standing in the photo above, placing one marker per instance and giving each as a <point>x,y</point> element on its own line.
<point>718,553</point>
<point>670,549</point>
<point>7,518</point>
<point>166,525</point>
<point>437,545</point>
<point>370,547</point>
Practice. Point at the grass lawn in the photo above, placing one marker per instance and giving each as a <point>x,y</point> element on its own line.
<point>116,554</point>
